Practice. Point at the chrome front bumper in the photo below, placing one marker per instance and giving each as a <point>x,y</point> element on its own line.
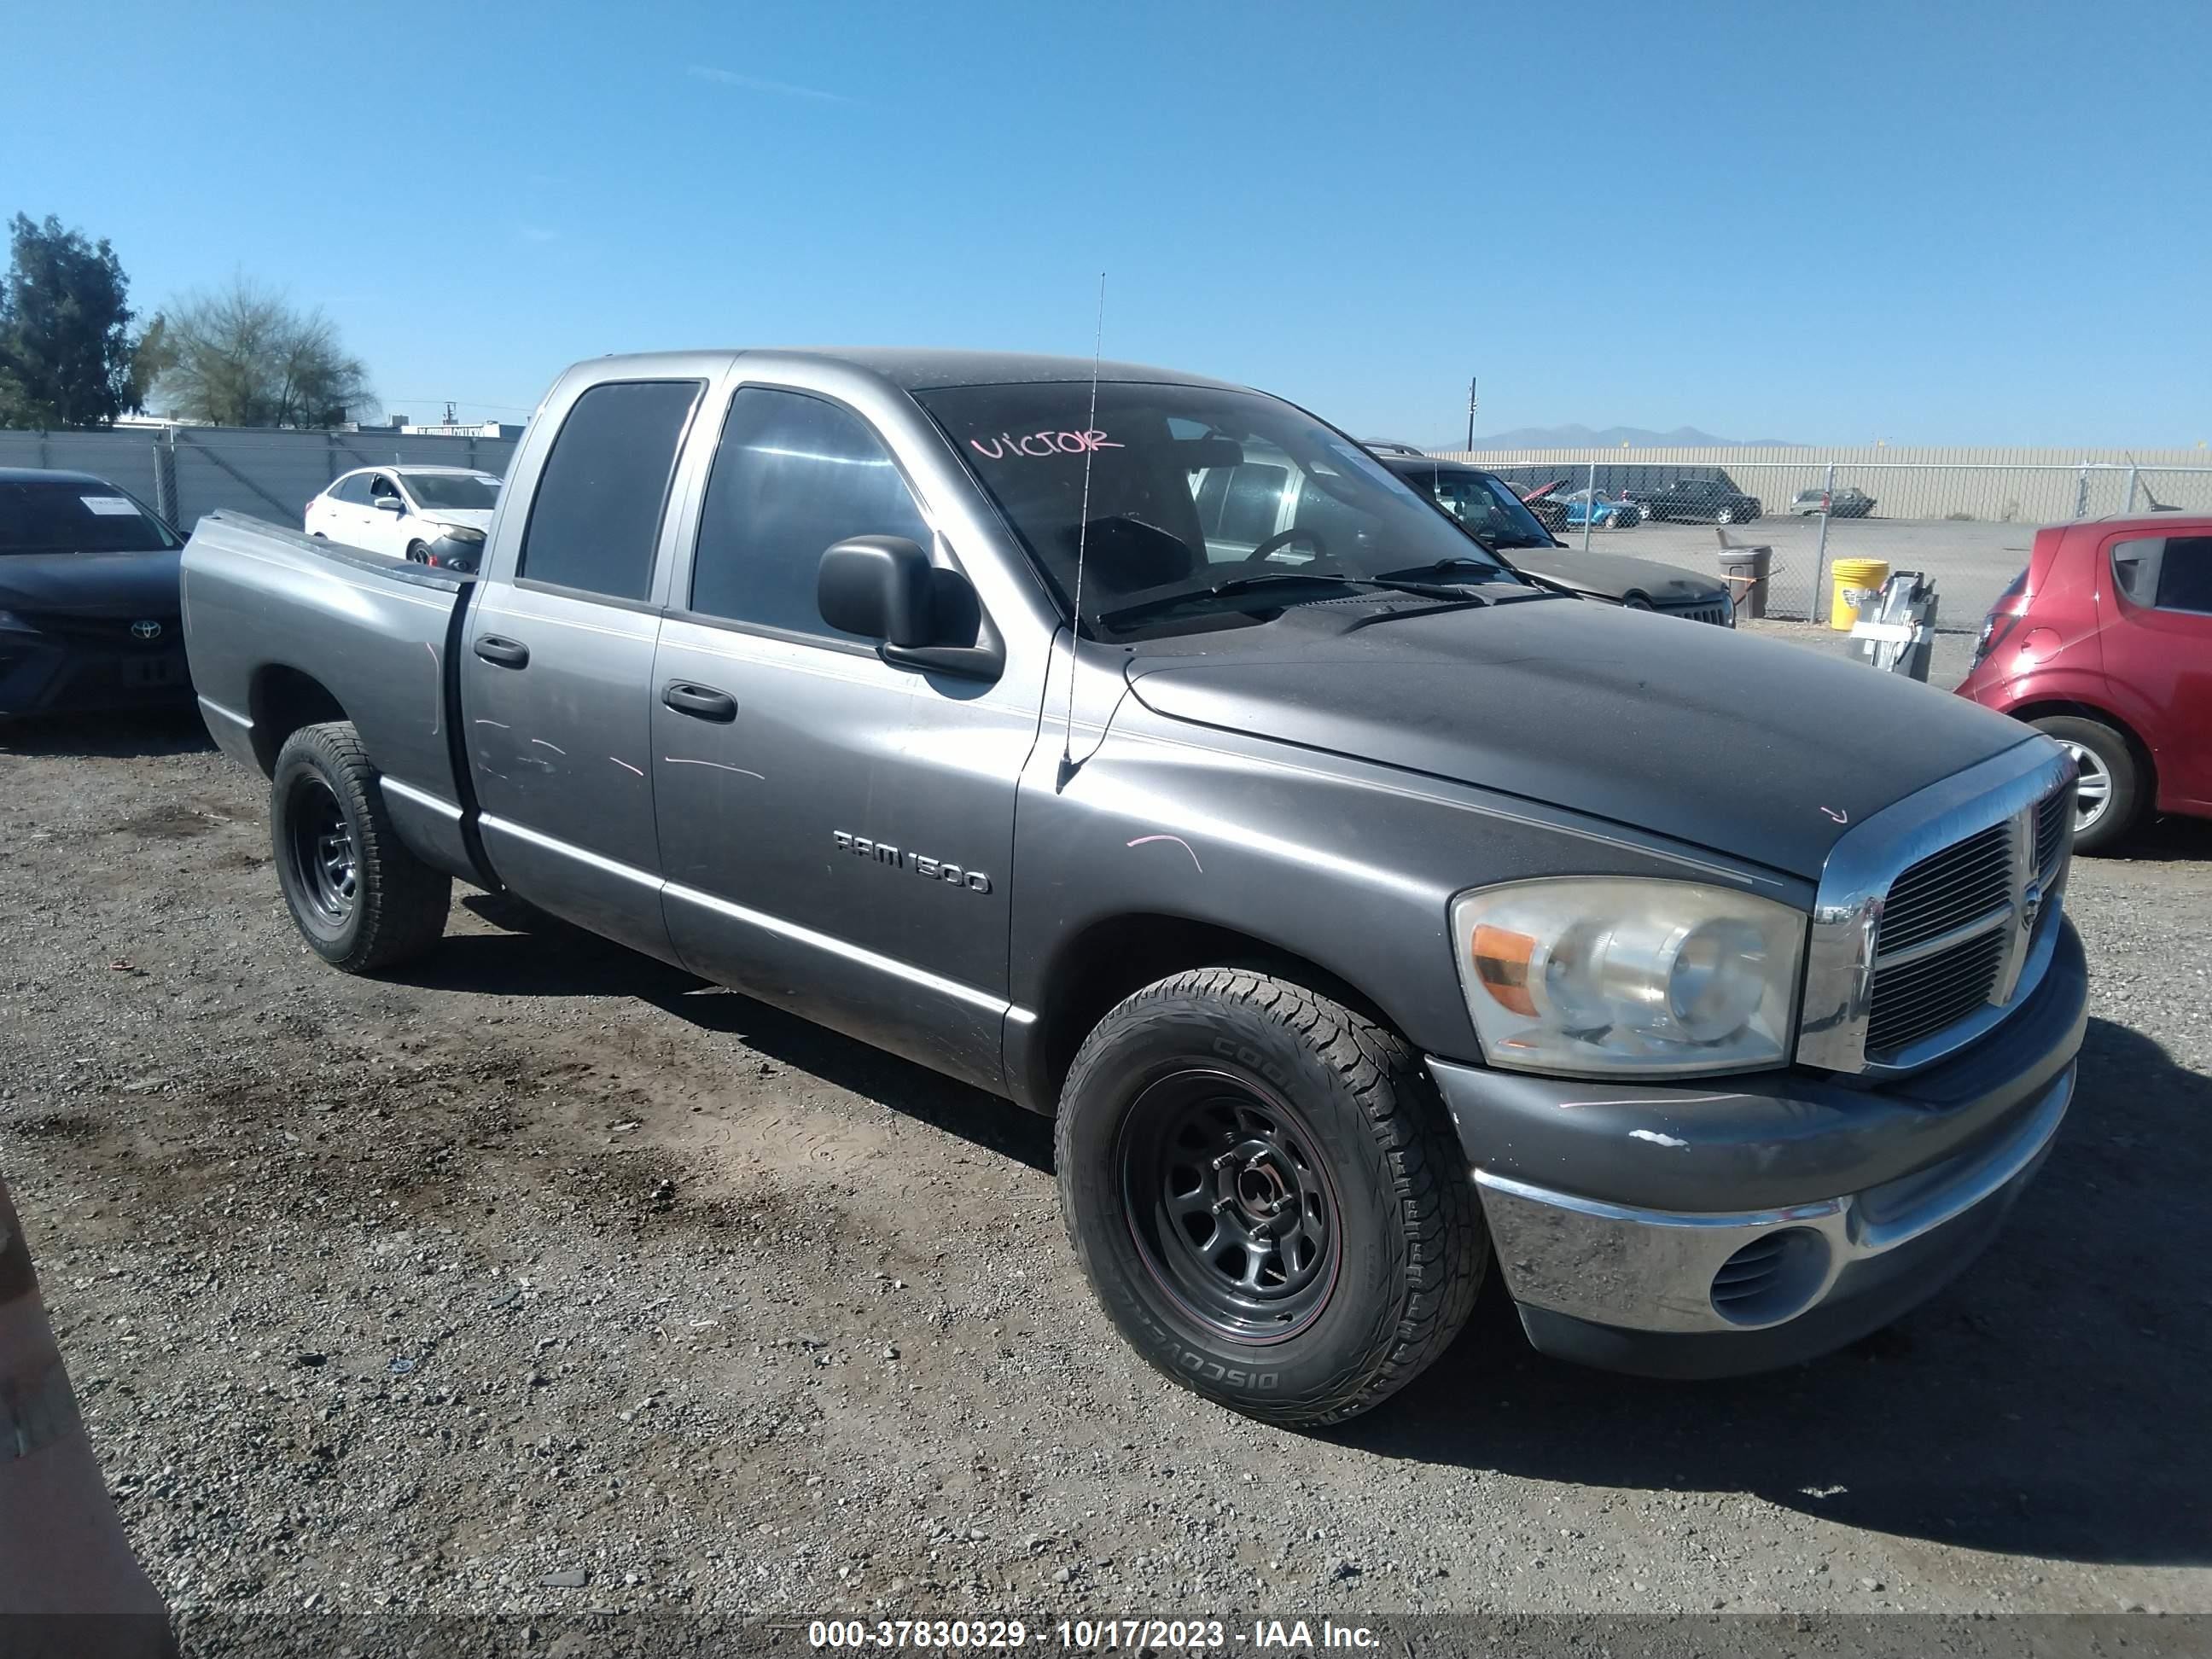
<point>1682,1271</point>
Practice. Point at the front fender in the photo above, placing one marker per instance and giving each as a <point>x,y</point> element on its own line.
<point>1348,864</point>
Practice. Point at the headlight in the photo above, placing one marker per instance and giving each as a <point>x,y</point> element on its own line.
<point>454,533</point>
<point>1604,977</point>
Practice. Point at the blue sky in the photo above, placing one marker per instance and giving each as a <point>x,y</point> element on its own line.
<point>1965,223</point>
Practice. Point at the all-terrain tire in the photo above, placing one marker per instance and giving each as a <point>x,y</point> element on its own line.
<point>327,814</point>
<point>1410,1249</point>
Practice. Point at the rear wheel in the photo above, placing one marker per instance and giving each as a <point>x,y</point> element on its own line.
<point>2108,794</point>
<point>1265,1193</point>
<point>360,898</point>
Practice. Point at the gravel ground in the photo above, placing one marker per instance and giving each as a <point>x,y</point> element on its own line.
<point>542,1278</point>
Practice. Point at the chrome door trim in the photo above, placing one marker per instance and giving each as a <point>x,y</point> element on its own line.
<point>422,798</point>
<point>1855,879</point>
<point>844,949</point>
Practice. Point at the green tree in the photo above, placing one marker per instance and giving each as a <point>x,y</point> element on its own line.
<point>242,356</point>
<point>65,345</point>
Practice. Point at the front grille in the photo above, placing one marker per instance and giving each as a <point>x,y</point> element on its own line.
<point>1704,613</point>
<point>110,630</point>
<point>1963,882</point>
<point>2050,827</point>
<point>1918,999</point>
<point>1909,962</point>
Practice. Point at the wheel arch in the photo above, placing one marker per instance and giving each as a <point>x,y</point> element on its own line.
<point>1116,956</point>
<point>2073,709</point>
<point>280,700</point>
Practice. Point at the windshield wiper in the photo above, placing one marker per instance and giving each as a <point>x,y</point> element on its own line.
<point>1235,585</point>
<point>1543,588</point>
<point>1443,567</point>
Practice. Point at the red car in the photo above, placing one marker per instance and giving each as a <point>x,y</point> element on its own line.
<point>2105,641</point>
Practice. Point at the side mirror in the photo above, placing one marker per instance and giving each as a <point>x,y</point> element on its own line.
<point>390,504</point>
<point>885,588</point>
<point>877,587</point>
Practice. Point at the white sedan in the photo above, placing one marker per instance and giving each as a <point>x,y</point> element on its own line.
<point>434,515</point>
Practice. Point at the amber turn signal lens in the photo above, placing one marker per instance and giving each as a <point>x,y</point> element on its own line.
<point>1501,965</point>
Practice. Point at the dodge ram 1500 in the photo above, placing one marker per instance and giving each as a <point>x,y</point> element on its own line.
<point>1364,913</point>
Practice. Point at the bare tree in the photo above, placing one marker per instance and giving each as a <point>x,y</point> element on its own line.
<point>243,356</point>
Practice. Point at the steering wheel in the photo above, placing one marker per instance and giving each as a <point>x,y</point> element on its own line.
<point>1297,532</point>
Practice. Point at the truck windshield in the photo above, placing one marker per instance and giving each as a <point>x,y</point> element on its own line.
<point>454,489</point>
<point>1190,489</point>
<point>66,516</point>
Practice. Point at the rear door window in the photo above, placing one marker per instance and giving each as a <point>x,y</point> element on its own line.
<point>2184,574</point>
<point>597,513</point>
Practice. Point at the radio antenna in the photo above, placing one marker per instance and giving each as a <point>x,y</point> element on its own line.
<point>1082,537</point>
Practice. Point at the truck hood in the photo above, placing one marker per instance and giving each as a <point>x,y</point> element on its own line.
<point>92,584</point>
<point>1610,575</point>
<point>1751,747</point>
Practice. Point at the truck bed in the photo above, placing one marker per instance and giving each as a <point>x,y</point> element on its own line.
<point>284,629</point>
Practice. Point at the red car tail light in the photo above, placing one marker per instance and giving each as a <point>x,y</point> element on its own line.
<point>2004,617</point>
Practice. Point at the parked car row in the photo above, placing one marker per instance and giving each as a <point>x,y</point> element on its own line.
<point>1493,514</point>
<point>2096,642</point>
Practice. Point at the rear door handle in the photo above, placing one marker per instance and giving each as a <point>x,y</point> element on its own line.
<point>508,653</point>
<point>701,702</point>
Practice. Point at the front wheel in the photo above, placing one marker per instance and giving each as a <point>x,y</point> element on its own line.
<point>1265,1194</point>
<point>1726,515</point>
<point>2107,785</point>
<point>360,898</point>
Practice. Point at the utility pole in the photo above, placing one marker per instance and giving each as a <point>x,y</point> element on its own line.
<point>1471,385</point>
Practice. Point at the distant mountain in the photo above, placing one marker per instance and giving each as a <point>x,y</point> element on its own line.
<point>1613,437</point>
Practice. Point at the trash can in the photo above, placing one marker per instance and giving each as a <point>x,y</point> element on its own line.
<point>1745,571</point>
<point>1853,577</point>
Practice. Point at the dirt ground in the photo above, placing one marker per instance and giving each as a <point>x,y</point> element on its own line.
<point>541,1276</point>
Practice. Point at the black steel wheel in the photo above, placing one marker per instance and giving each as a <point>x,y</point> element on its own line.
<point>324,859</point>
<point>358,897</point>
<point>1230,1207</point>
<point>1266,1194</point>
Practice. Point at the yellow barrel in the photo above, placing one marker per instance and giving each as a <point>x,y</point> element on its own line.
<point>1851,575</point>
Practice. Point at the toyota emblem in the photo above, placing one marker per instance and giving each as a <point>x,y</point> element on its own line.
<point>147,629</point>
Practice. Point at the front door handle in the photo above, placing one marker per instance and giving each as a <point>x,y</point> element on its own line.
<point>701,702</point>
<point>508,653</point>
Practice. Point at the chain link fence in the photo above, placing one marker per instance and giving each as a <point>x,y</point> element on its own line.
<point>185,471</point>
<point>1967,523</point>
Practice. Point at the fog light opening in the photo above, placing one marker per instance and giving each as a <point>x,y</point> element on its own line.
<point>1773,1277</point>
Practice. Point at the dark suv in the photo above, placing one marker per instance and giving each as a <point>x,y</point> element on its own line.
<point>1700,500</point>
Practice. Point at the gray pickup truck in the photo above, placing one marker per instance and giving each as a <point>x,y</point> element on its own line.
<point>1363,911</point>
